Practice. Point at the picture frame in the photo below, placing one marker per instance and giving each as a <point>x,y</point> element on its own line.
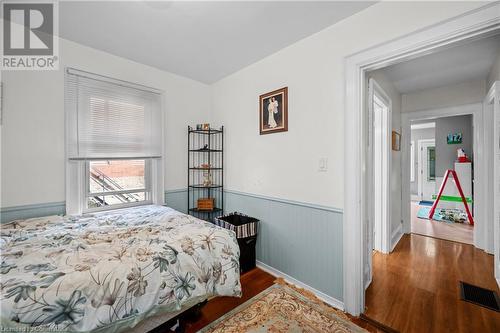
<point>454,138</point>
<point>396,141</point>
<point>273,111</point>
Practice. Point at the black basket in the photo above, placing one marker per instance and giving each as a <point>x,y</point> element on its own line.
<point>246,228</point>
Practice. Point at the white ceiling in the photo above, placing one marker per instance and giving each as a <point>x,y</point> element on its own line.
<point>205,41</point>
<point>472,61</point>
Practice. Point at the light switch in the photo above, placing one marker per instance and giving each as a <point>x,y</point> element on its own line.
<point>323,164</point>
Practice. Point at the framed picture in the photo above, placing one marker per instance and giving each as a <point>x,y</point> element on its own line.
<point>273,111</point>
<point>454,138</point>
<point>396,141</point>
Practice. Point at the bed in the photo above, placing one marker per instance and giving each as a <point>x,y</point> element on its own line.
<point>106,272</point>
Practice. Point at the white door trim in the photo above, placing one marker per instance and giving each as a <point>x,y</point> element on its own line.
<point>421,144</point>
<point>383,241</point>
<point>494,97</point>
<point>437,37</point>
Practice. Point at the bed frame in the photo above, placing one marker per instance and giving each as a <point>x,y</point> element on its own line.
<point>179,322</point>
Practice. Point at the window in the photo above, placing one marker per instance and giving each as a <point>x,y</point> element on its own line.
<point>431,163</point>
<point>412,161</point>
<point>117,182</point>
<point>113,143</point>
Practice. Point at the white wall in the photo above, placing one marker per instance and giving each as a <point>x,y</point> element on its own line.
<point>452,95</point>
<point>494,75</point>
<point>395,196</point>
<point>446,154</point>
<point>285,165</point>
<point>32,158</point>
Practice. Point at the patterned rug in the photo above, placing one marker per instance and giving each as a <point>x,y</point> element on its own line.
<point>282,308</point>
<point>442,214</point>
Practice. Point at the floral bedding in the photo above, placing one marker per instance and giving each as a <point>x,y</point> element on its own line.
<point>105,272</point>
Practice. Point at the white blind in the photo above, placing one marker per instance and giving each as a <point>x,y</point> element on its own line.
<point>107,119</point>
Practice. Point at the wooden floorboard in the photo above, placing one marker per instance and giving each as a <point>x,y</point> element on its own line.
<point>457,232</point>
<point>415,288</point>
<point>252,282</point>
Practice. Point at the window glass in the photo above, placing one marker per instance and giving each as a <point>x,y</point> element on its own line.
<point>113,182</point>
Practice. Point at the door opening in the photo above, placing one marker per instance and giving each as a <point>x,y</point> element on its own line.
<point>426,169</point>
<point>380,106</point>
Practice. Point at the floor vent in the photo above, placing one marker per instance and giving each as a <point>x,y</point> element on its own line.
<point>480,296</point>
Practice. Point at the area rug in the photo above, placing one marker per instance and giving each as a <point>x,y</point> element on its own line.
<point>281,308</point>
<point>442,214</point>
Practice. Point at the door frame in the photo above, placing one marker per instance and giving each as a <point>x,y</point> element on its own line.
<point>473,24</point>
<point>382,242</point>
<point>493,97</point>
<point>421,144</point>
<point>474,109</point>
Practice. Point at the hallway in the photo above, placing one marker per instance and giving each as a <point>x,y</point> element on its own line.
<point>415,288</point>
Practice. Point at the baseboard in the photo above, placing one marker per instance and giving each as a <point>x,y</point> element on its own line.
<point>321,295</point>
<point>396,236</point>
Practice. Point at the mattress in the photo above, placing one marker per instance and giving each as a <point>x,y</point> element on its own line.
<point>108,271</point>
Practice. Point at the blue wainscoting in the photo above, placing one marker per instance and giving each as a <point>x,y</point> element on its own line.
<point>177,199</point>
<point>8,214</point>
<point>301,240</point>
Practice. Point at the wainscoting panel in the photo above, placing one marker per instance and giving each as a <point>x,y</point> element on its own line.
<point>8,214</point>
<point>177,199</point>
<point>301,240</point>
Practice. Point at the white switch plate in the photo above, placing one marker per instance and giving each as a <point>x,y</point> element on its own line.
<point>323,164</point>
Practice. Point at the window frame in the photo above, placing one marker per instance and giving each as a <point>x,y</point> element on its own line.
<point>76,184</point>
<point>147,190</point>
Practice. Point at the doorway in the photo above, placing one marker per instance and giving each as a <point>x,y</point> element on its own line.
<point>357,209</point>
<point>450,220</point>
<point>426,169</point>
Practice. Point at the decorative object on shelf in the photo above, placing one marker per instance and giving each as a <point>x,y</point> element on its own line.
<point>206,127</point>
<point>199,127</point>
<point>206,204</point>
<point>273,111</point>
<point>396,141</point>
<point>454,138</point>
<point>205,147</point>
<point>207,178</point>
<point>205,172</point>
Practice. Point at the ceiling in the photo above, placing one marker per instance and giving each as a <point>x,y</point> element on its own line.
<point>471,61</point>
<point>205,41</point>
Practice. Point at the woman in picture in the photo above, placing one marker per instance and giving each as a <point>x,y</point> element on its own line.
<point>272,108</point>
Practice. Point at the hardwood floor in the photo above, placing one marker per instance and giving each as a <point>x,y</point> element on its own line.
<point>458,232</point>
<point>253,282</point>
<point>415,288</point>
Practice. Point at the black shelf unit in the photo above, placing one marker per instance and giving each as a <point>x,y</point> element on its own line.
<point>205,162</point>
